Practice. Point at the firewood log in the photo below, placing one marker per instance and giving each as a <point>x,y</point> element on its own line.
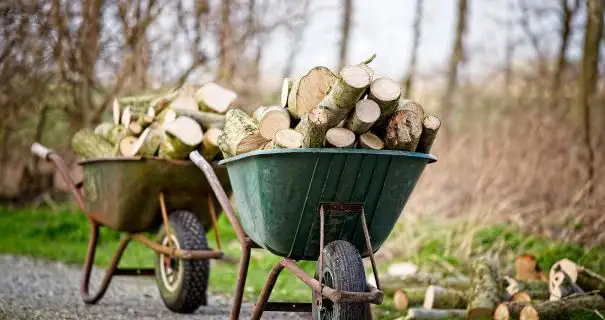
<point>148,143</point>
<point>136,128</point>
<point>184,102</point>
<point>526,268</point>
<point>126,146</point>
<point>386,93</point>
<point>240,134</point>
<point>348,88</point>
<point>369,140</point>
<point>584,278</point>
<point>577,306</point>
<point>182,136</point>
<point>406,104</point>
<point>340,138</point>
<point>409,297</point>
<point>206,119</point>
<point>437,297</point>
<point>89,145</point>
<point>313,127</point>
<point>537,290</point>
<point>103,128</point>
<point>165,117</point>
<point>510,310</point>
<point>126,117</point>
<point>116,112</point>
<point>271,120</point>
<point>209,148</point>
<point>561,285</point>
<point>287,139</point>
<point>363,116</point>
<point>285,91</point>
<point>486,288</point>
<point>309,90</point>
<point>430,127</point>
<point>403,131</point>
<point>520,296</point>
<point>434,314</point>
<point>213,97</point>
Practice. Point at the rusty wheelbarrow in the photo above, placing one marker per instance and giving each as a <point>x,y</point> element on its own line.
<point>333,206</point>
<point>136,195</point>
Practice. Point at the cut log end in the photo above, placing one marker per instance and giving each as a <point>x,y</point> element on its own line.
<point>369,140</point>
<point>385,89</point>
<point>403,131</point>
<point>400,300</point>
<point>430,128</point>
<point>520,296</point>
<point>185,102</point>
<point>210,143</point>
<point>285,91</point>
<point>340,138</point>
<point>502,313</point>
<point>529,313</point>
<point>308,91</point>
<point>127,146</point>
<point>271,120</point>
<point>364,115</point>
<point>211,96</point>
<point>355,76</point>
<point>185,129</point>
<point>288,139</point>
<point>411,105</point>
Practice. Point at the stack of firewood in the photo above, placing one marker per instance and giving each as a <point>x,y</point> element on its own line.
<point>351,109</point>
<point>169,125</point>
<point>570,290</point>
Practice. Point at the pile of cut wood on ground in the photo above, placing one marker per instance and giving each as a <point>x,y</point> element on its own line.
<point>570,291</point>
<point>169,125</point>
<point>351,109</point>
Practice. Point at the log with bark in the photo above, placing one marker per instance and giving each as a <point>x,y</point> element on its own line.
<point>126,146</point>
<point>391,284</point>
<point>561,285</point>
<point>526,268</point>
<point>309,90</point>
<point>577,306</point>
<point>520,296</point>
<point>536,289</point>
<point>206,119</point>
<point>148,143</point>
<point>340,138</point>
<point>184,102</point>
<point>386,93</point>
<point>126,117</point>
<point>510,310</point>
<point>89,145</point>
<point>486,288</point>
<point>240,134</point>
<point>412,105</point>
<point>430,127</point>
<point>435,314</point>
<point>409,297</point>
<point>287,139</point>
<point>369,140</point>
<point>437,297</point>
<point>271,120</point>
<point>363,116</point>
<point>584,278</point>
<point>209,146</point>
<point>211,96</point>
<point>116,112</point>
<point>313,127</point>
<point>182,136</point>
<point>403,131</point>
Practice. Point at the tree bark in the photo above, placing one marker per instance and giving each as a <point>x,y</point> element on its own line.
<point>385,92</point>
<point>567,13</point>
<point>403,131</point>
<point>408,83</point>
<point>441,298</point>
<point>430,127</point>
<point>364,115</point>
<point>227,56</point>
<point>456,57</point>
<point>486,289</point>
<point>369,140</point>
<point>578,306</point>
<point>345,28</point>
<point>240,134</point>
<point>313,127</point>
<point>210,143</point>
<point>89,145</point>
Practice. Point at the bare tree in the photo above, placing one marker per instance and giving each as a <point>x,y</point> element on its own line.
<point>409,78</point>
<point>297,32</point>
<point>567,13</point>
<point>456,57</point>
<point>345,31</point>
<point>587,80</point>
<point>227,55</point>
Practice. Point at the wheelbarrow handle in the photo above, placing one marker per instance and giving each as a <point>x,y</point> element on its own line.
<point>41,151</point>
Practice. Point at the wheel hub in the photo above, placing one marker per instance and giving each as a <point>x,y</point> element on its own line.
<point>171,269</point>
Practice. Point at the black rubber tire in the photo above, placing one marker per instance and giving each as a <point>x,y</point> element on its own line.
<point>343,270</point>
<point>189,293</point>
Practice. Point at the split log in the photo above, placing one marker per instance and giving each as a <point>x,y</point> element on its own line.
<point>313,127</point>
<point>430,127</point>
<point>403,131</point>
<point>348,88</point>
<point>240,134</point>
<point>184,102</point>
<point>526,268</point>
<point>285,91</point>
<point>486,288</point>
<point>586,279</point>
<point>126,146</point>
<point>411,297</point>
<point>167,116</point>
<point>211,96</point>
<point>405,104</point>
<point>369,140</point>
<point>309,90</point>
<point>287,139</point>
<point>364,115</point>
<point>340,138</point>
<point>150,114</point>
<point>537,290</point>
<point>510,310</point>
<point>103,128</point>
<point>89,145</point>
<point>577,306</point>
<point>210,143</point>
<point>126,117</point>
<point>136,128</point>
<point>148,143</point>
<point>116,112</point>
<point>434,314</point>
<point>182,136</point>
<point>271,120</point>
<point>440,298</point>
<point>561,285</point>
<point>386,93</point>
<point>206,119</point>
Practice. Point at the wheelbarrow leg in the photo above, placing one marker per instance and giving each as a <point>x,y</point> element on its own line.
<point>109,273</point>
<point>241,279</point>
<point>267,289</point>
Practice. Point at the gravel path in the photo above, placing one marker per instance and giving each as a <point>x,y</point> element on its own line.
<point>33,289</point>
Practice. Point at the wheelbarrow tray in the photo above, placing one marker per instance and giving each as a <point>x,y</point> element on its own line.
<point>278,194</point>
<point>122,193</point>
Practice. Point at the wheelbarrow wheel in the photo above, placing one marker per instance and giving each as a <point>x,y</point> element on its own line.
<point>342,270</point>
<point>183,283</point>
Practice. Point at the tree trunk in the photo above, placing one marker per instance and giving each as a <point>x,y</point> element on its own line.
<point>567,14</point>
<point>588,80</point>
<point>452,74</point>
<point>403,131</point>
<point>409,78</point>
<point>227,54</point>
<point>345,28</point>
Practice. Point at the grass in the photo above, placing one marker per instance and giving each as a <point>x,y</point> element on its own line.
<point>442,247</point>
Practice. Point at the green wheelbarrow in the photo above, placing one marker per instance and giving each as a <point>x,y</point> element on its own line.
<point>333,206</point>
<point>137,195</point>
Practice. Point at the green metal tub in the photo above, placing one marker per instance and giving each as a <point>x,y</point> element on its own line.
<point>278,194</point>
<point>122,193</point>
